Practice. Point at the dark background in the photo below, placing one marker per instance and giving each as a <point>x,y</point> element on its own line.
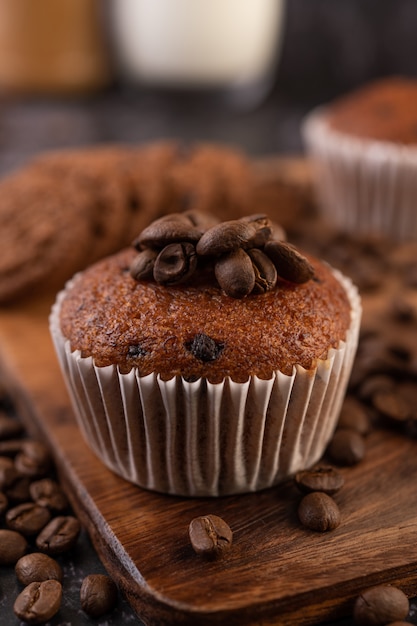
<point>329,47</point>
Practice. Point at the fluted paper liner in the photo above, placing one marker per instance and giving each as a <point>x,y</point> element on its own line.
<point>204,439</point>
<point>363,186</point>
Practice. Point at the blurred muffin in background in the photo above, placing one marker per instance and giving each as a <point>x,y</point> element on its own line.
<point>364,150</point>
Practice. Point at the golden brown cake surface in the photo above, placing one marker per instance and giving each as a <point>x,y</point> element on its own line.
<point>196,330</point>
<point>385,110</point>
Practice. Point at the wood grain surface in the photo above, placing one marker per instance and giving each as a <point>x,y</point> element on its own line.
<point>277,571</point>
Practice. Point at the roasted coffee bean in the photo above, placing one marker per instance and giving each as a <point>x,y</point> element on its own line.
<point>226,237</point>
<point>391,405</point>
<point>4,503</point>
<point>174,228</point>
<point>38,602</point>
<point>380,605</point>
<point>354,415</point>
<point>34,460</point>
<point>235,274</point>
<point>373,384</point>
<point>9,427</point>
<point>27,518</point>
<point>318,511</point>
<point>290,264</point>
<point>175,264</point>
<point>402,310</point>
<point>142,265</point>
<point>265,271</point>
<point>204,348</point>
<point>210,535</point>
<point>407,391</point>
<point>13,546</point>
<point>59,535</point>
<point>322,478</point>
<point>98,595</point>
<point>263,228</point>
<point>376,357</point>
<point>11,447</point>
<point>18,491</point>
<point>8,473</point>
<point>37,567</point>
<point>48,493</point>
<point>200,219</point>
<point>347,447</point>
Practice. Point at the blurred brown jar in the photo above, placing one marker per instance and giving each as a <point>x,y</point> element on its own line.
<point>51,46</point>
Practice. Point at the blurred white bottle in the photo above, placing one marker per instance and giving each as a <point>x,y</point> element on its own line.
<point>216,44</point>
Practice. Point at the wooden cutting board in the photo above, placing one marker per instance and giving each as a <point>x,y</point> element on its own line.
<point>277,571</point>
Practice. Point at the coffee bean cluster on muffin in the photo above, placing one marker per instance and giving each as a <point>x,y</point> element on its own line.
<point>208,358</point>
<point>364,149</point>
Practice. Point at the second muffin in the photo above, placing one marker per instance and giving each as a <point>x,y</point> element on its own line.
<point>364,150</point>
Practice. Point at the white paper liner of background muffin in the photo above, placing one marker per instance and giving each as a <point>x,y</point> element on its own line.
<point>203,439</point>
<point>363,186</point>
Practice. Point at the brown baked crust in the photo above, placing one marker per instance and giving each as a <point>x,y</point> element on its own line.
<point>385,110</point>
<point>105,312</point>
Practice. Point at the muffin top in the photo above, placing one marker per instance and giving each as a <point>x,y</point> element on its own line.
<point>385,110</point>
<point>208,323</point>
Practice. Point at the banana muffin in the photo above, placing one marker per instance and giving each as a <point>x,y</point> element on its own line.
<point>209,358</point>
<point>364,150</point>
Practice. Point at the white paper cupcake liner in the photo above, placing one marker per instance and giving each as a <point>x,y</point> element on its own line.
<point>363,186</point>
<point>204,439</point>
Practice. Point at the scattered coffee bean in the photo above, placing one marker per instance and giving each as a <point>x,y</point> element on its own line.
<point>347,447</point>
<point>34,460</point>
<point>38,602</point>
<point>391,405</point>
<point>373,384</point>
<point>9,427</point>
<point>210,535</point>
<point>354,415</point>
<point>8,473</point>
<point>98,595</point>
<point>18,491</point>
<point>59,535</point>
<point>27,518</point>
<point>48,493</point>
<point>407,391</point>
<point>322,478</point>
<point>175,263</point>
<point>290,264</point>
<point>11,447</point>
<point>403,310</point>
<point>235,274</point>
<point>204,348</point>
<point>4,503</point>
<point>13,545</point>
<point>37,567</point>
<point>318,511</point>
<point>226,237</point>
<point>380,605</point>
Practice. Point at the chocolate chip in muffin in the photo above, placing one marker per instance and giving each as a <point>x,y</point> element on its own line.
<point>204,347</point>
<point>136,350</point>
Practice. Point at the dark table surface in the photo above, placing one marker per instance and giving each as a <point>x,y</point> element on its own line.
<point>121,115</point>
